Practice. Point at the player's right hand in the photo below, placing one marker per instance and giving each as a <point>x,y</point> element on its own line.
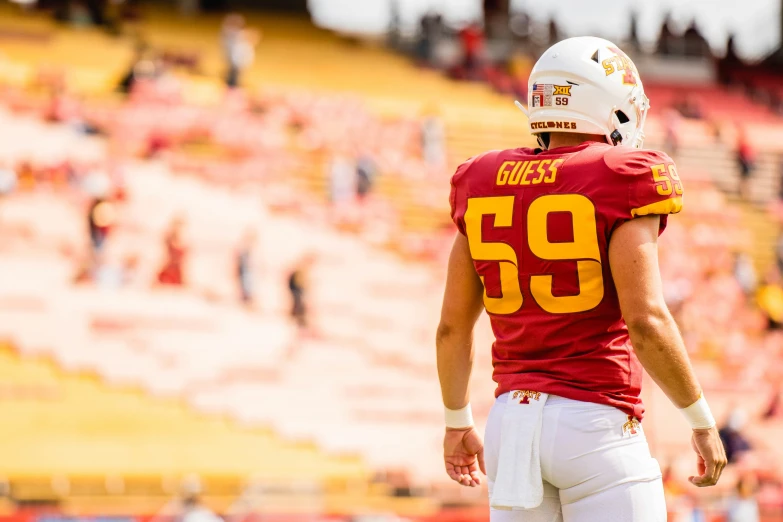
<point>463,454</point>
<point>710,457</point>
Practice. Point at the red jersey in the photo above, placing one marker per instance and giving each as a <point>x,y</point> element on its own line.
<point>538,225</point>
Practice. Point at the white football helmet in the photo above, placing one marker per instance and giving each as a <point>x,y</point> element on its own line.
<point>587,85</point>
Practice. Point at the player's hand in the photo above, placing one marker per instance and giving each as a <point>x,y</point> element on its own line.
<point>710,457</point>
<point>463,453</point>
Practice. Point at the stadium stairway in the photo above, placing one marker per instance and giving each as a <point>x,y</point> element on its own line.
<point>765,233</point>
<point>719,162</point>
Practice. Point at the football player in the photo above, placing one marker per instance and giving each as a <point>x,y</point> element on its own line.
<point>559,245</point>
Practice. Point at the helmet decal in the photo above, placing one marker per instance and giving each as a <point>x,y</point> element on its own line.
<point>622,63</point>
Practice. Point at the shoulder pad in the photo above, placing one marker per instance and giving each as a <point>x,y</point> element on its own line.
<point>634,162</point>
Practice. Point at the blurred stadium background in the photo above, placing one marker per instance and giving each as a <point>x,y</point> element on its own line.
<point>222,246</point>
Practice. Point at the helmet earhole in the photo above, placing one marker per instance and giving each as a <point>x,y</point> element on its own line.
<point>622,117</point>
<point>615,136</point>
<point>543,140</point>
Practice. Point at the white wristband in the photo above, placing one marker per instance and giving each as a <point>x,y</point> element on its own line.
<point>458,419</point>
<point>699,415</point>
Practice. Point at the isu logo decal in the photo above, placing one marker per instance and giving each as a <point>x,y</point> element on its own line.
<point>621,63</point>
<point>632,427</point>
<point>524,396</point>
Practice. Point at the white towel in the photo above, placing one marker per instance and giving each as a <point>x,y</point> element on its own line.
<point>518,483</point>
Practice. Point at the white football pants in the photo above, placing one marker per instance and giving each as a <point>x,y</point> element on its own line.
<point>594,470</point>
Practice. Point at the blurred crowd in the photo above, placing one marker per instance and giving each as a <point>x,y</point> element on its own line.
<point>246,137</point>
<point>502,48</point>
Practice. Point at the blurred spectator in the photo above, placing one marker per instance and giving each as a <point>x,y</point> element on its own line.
<point>745,273</point>
<point>139,68</point>
<point>693,43</point>
<point>365,175</point>
<point>239,45</point>
<point>780,178</point>
<point>433,140</point>
<point>172,271</point>
<point>66,108</point>
<point>231,34</point>
<point>727,64</point>
<point>553,32</point>
<point>632,42</point>
<point>732,437</point>
<point>772,410</point>
<point>743,506</point>
<point>496,20</point>
<point>194,511</point>
<point>101,216</point>
<point>770,300</point>
<point>472,40</point>
<point>745,160</point>
<point>8,180</point>
<point>84,269</point>
<point>298,282</point>
<point>25,175</point>
<point>244,264</point>
<point>672,135</point>
<point>779,253</point>
<point>393,36</point>
<point>430,29</point>
<point>109,275</point>
<point>61,107</point>
<point>187,506</point>
<point>342,179</point>
<point>666,38</point>
<point>245,53</point>
<point>105,274</point>
<point>690,108</point>
<point>130,269</point>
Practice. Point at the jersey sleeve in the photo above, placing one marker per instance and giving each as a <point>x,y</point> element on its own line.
<point>653,184</point>
<point>458,195</point>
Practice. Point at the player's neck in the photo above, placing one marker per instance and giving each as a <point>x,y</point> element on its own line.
<point>567,139</point>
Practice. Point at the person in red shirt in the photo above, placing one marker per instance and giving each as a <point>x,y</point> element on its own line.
<point>171,274</point>
<point>559,245</point>
<point>472,38</point>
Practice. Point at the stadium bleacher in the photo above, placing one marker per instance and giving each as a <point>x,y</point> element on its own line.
<point>170,373</point>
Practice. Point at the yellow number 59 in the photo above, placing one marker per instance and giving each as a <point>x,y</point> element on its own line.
<point>583,249</point>
<point>666,179</point>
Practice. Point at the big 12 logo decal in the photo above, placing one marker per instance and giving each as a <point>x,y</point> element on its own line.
<point>620,62</point>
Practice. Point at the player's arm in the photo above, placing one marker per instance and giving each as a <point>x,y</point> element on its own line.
<point>633,258</point>
<point>462,305</point>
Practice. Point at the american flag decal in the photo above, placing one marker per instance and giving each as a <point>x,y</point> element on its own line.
<point>537,95</point>
<point>541,95</point>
